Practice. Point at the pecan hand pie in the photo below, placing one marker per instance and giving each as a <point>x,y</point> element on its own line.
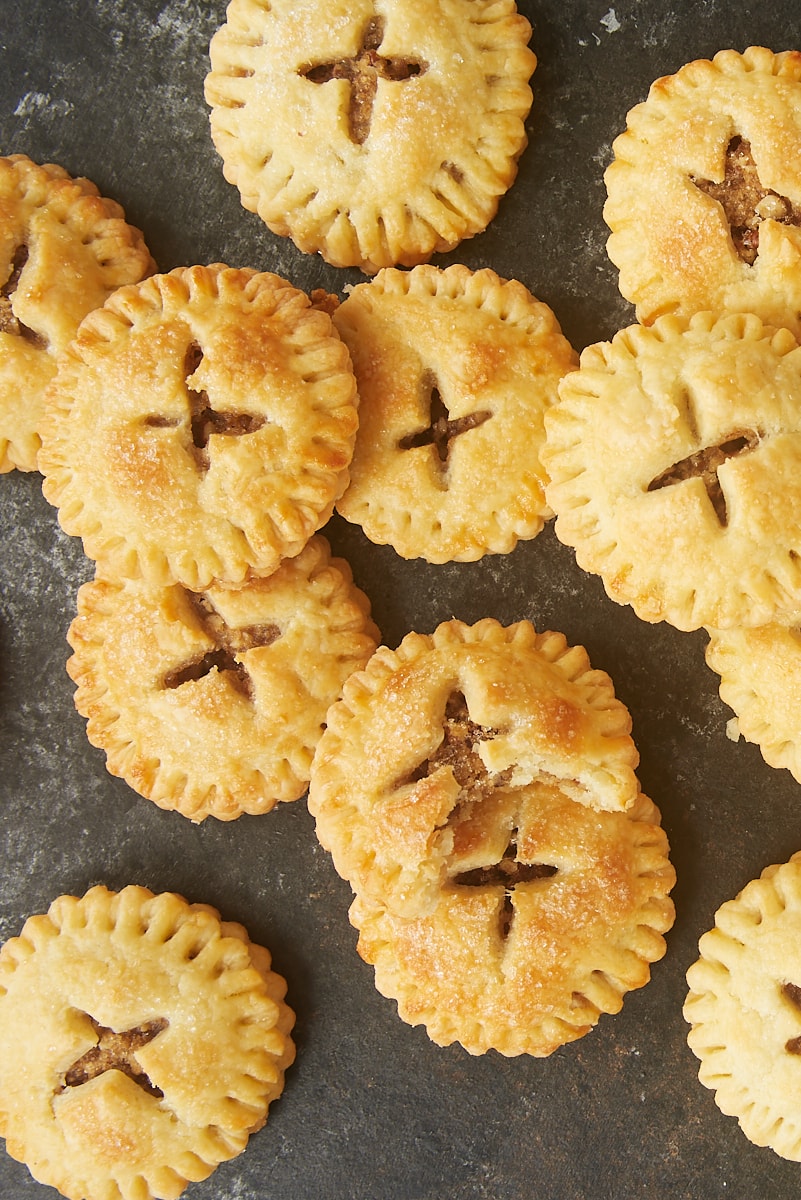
<point>212,702</point>
<point>455,370</point>
<point>549,913</point>
<point>675,462</point>
<point>200,426</point>
<point>427,734</point>
<point>142,1040</point>
<point>704,190</point>
<point>744,1009</point>
<point>374,133</point>
<point>63,249</point>
<point>760,679</point>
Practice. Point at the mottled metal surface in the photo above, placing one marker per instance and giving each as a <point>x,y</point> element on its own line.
<point>113,90</point>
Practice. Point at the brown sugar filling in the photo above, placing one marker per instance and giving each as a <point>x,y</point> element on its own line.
<point>704,464</point>
<point>792,992</point>
<point>115,1052</point>
<point>441,430</point>
<point>9,322</point>
<point>746,203</point>
<point>230,645</point>
<point>204,421</point>
<point>363,72</point>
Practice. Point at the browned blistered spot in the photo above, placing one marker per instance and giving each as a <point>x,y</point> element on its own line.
<point>115,1052</point>
<point>363,72</point>
<point>229,645</point>
<point>746,203</point>
<point>704,464</point>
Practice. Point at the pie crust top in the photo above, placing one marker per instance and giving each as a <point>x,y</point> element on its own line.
<point>744,1009</point>
<point>142,1040</point>
<point>675,462</point>
<point>375,134</point>
<point>200,427</point>
<point>760,679</point>
<point>212,702</point>
<point>550,911</point>
<point>455,371</point>
<point>445,729</point>
<point>704,190</point>
<point>63,249</point>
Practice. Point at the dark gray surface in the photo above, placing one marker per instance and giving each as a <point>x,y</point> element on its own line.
<point>113,89</point>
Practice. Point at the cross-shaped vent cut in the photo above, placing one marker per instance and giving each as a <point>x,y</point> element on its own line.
<point>704,464</point>
<point>9,322</point>
<point>507,873</point>
<point>792,992</point>
<point>363,72</point>
<point>745,202</point>
<point>229,646</point>
<point>115,1052</point>
<point>442,429</point>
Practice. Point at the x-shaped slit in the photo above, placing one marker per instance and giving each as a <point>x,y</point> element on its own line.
<point>115,1052</point>
<point>704,465</point>
<point>363,72</point>
<point>442,429</point>
<point>230,644</point>
<point>507,873</point>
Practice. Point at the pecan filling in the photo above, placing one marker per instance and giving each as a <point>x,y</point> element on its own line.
<point>456,750</point>
<point>746,203</point>
<point>9,322</point>
<point>230,645</point>
<point>792,992</point>
<point>441,430</point>
<point>363,72</point>
<point>115,1052</point>
<point>704,464</point>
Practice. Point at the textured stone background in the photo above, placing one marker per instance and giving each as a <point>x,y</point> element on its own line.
<point>113,89</point>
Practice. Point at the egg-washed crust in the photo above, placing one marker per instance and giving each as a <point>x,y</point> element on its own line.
<point>371,180</point>
<point>744,1009</point>
<point>200,1010</point>
<point>63,249</point>
<point>212,703</point>
<point>200,427</point>
<point>525,966</point>
<point>424,734</point>
<point>682,242</point>
<point>455,371</point>
<point>674,456</point>
<point>760,680</point>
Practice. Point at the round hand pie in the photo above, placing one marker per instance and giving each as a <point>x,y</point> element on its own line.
<point>374,135</point>
<point>63,249</point>
<point>142,1040</point>
<point>200,427</point>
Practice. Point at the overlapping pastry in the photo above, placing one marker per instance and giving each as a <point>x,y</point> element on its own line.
<point>744,1009</point>
<point>704,190</point>
<point>375,135</point>
<point>142,1039</point>
<point>455,371</point>
<point>212,702</point>
<point>63,249</point>
<point>476,787</point>
<point>200,427</point>
<point>675,462</point>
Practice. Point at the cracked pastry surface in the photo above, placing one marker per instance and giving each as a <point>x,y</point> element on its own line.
<point>455,371</point>
<point>551,911</point>
<point>63,249</point>
<point>211,703</point>
<point>444,721</point>
<point>200,426</point>
<point>374,134</point>
<point>674,455</point>
<point>704,190</point>
<point>744,1009</point>
<point>143,1039</point>
<point>760,680</point>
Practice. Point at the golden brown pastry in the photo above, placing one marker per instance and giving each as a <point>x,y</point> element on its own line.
<point>455,370</point>
<point>200,427</point>
<point>63,249</point>
<point>374,134</point>
<point>142,1039</point>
